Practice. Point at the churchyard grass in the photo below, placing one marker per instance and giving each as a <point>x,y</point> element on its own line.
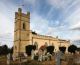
<point>68,61</point>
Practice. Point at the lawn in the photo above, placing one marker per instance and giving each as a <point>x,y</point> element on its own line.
<point>3,60</point>
<point>68,61</point>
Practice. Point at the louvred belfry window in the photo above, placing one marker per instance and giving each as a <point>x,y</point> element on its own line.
<point>24,26</point>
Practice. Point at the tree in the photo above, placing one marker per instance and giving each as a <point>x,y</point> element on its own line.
<point>34,47</point>
<point>63,49</point>
<point>78,49</point>
<point>50,49</point>
<point>5,49</point>
<point>34,33</point>
<point>10,50</point>
<point>1,50</point>
<point>72,48</point>
<point>29,48</point>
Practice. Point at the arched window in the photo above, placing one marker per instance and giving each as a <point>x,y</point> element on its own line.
<point>46,43</point>
<point>36,44</point>
<point>24,26</point>
<point>52,44</point>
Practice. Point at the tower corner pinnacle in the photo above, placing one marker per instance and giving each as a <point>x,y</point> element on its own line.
<point>19,10</point>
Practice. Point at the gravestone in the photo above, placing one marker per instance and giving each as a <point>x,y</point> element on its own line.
<point>40,55</point>
<point>32,55</point>
<point>58,57</point>
<point>8,59</point>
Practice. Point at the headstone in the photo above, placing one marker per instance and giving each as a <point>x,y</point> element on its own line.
<point>32,55</point>
<point>58,57</point>
<point>77,58</point>
<point>44,55</point>
<point>8,59</point>
<point>40,55</point>
<point>25,55</point>
<point>14,58</point>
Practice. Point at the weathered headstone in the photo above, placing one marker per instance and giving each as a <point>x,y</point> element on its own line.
<point>40,55</point>
<point>25,59</point>
<point>44,55</point>
<point>58,57</point>
<point>14,58</point>
<point>32,55</point>
<point>8,59</point>
<point>25,55</point>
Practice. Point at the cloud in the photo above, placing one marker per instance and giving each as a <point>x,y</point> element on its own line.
<point>59,3</point>
<point>7,17</point>
<point>7,13</point>
<point>38,23</point>
<point>74,36</point>
<point>4,24</point>
<point>41,25</point>
<point>56,18</point>
<point>7,39</point>
<point>30,2</point>
<point>74,20</point>
<point>76,27</point>
<point>70,10</point>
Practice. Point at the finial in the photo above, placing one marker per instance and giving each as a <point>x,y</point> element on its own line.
<point>28,13</point>
<point>19,10</point>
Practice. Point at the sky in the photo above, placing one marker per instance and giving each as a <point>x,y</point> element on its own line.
<point>47,17</point>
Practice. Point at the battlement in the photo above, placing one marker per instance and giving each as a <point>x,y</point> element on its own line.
<point>20,13</point>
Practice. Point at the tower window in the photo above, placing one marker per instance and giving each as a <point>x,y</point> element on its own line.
<point>24,26</point>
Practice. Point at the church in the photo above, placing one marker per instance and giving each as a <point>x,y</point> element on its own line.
<point>23,36</point>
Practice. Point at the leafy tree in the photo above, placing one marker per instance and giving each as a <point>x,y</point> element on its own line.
<point>34,47</point>
<point>29,48</point>
<point>34,33</point>
<point>72,48</point>
<point>50,49</point>
<point>5,49</point>
<point>78,49</point>
<point>63,49</point>
<point>1,50</point>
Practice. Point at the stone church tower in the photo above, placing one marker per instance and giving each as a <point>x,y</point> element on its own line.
<point>21,31</point>
<point>23,36</point>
